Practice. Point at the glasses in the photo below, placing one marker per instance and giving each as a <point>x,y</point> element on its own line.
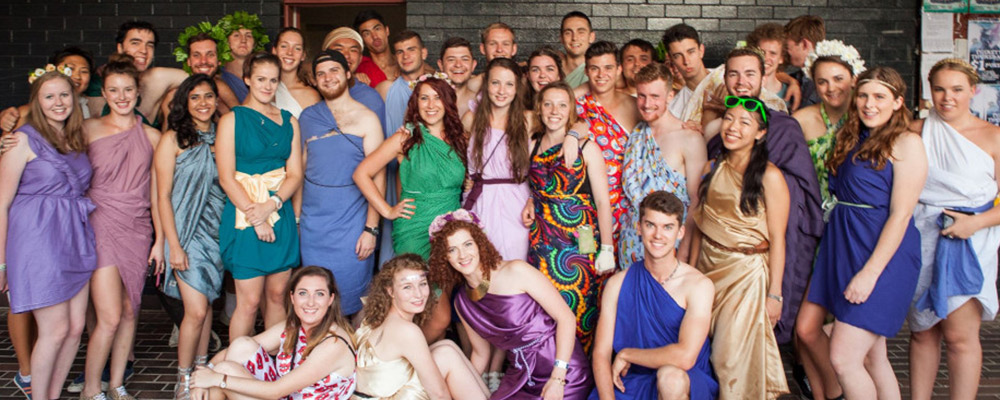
<point>749,104</point>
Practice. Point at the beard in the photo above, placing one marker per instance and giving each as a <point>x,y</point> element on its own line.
<point>334,92</point>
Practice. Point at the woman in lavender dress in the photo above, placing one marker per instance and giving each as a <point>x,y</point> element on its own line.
<point>512,306</point>
<point>45,234</point>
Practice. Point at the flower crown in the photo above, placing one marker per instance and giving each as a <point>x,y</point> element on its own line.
<point>38,72</point>
<point>460,214</point>
<point>242,19</point>
<point>835,48</point>
<point>222,50</point>
<point>439,75</point>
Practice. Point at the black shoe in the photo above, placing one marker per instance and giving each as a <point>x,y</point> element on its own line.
<point>799,373</point>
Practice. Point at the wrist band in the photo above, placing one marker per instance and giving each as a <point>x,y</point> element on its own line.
<point>574,133</point>
<point>775,297</point>
<point>277,201</point>
<point>561,364</point>
<point>3,266</point>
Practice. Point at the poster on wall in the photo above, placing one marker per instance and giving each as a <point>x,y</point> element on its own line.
<point>984,6</point>
<point>984,55</point>
<point>948,5</point>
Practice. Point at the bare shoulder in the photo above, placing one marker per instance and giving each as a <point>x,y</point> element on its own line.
<point>696,283</point>
<point>691,138</point>
<point>150,130</point>
<point>917,126</point>
<point>614,283</point>
<point>806,113</point>
<point>773,173</point>
<point>908,145</point>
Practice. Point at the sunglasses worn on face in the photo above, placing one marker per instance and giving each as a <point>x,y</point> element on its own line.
<point>749,104</point>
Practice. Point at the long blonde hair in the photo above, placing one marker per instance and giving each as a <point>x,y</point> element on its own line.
<point>72,137</point>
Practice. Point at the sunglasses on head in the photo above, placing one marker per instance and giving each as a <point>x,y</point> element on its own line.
<point>749,104</point>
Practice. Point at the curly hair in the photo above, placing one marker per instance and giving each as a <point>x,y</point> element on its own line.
<point>441,271</point>
<point>878,148</point>
<point>380,301</point>
<point>332,316</point>
<point>454,132</point>
<point>180,116</point>
<point>516,129</point>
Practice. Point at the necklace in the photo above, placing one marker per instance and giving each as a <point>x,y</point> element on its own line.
<point>477,293</point>
<point>676,267</point>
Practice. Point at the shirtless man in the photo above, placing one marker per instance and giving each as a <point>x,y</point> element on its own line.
<point>671,303</point>
<point>380,64</point>
<point>457,61</point>
<point>576,35</point>
<point>682,157</point>
<point>611,114</point>
<point>202,59</point>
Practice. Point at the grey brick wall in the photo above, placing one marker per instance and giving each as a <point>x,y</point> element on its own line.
<point>886,32</point>
<point>31,30</point>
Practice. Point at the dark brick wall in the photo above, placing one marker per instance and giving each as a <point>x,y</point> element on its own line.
<point>886,32</point>
<point>31,30</point>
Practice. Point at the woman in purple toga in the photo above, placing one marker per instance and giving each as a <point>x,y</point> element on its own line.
<point>512,306</point>
<point>45,234</point>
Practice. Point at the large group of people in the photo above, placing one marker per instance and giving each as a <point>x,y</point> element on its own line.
<point>584,223</point>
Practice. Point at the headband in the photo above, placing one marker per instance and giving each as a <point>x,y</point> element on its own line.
<point>879,81</point>
<point>460,214</point>
<point>835,48</point>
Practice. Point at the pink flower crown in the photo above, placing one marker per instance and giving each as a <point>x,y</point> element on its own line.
<point>460,214</point>
<point>439,75</point>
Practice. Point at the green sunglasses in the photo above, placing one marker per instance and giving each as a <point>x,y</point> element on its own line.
<point>748,103</point>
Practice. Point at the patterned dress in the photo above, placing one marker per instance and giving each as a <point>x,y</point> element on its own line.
<point>819,148</point>
<point>612,139</point>
<point>269,369</point>
<point>563,203</point>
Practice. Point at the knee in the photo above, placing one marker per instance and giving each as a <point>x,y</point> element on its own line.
<point>229,368</point>
<point>196,313</point>
<point>445,352</point>
<point>108,320</point>
<point>808,333</point>
<point>962,340</point>
<point>241,349</point>
<point>58,332</point>
<point>247,302</point>
<point>672,382</point>
<point>845,362</point>
<point>276,295</point>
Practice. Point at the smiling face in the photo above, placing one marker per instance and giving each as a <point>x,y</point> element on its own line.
<point>686,56</point>
<point>374,34</point>
<point>499,43</point>
<point>743,76</point>
<point>410,55</point>
<point>542,70</point>
<point>202,103</point>
<point>350,49</point>
<point>660,233</point>
<point>501,87</point>
<point>458,63</point>
<point>331,79</point>
<point>139,43</point>
<point>576,36</point>
<point>633,59</point>
<point>56,100</point>
<point>772,56</point>
<point>410,291</point>
<point>876,104</point>
<point>241,42</point>
<point>203,58</point>
<point>556,106</point>
<point>602,72</point>
<point>653,99</point>
<point>311,300</point>
<point>740,128</point>
<point>263,82</point>
<point>951,92</point>
<point>121,92</point>
<point>430,106</point>
<point>833,83</point>
<point>81,72</point>
<point>290,51</point>
<point>463,252</point>
<point>797,52</point>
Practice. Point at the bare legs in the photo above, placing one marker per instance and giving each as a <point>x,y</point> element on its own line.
<point>672,383</point>
<point>22,335</point>
<point>861,379</point>
<point>965,354</point>
<point>248,300</point>
<point>816,350</point>
<point>194,332</point>
<point>59,329</point>
<point>462,379</point>
<point>110,302</point>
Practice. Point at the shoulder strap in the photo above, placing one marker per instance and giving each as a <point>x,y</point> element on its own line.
<point>538,144</point>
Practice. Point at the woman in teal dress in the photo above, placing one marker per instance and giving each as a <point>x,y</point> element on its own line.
<point>432,163</point>
<point>260,168</point>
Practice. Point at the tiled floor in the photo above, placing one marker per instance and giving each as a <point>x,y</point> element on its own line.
<point>156,365</point>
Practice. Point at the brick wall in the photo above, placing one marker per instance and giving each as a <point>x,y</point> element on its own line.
<point>31,30</point>
<point>884,31</point>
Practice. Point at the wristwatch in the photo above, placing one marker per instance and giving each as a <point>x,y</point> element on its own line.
<point>222,385</point>
<point>372,230</point>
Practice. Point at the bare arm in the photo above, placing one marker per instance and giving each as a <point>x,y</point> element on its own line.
<point>225,160</point>
<point>967,225</point>
<point>156,253</point>
<point>541,290</point>
<point>604,337</point>
<point>598,175</point>
<point>413,350</point>
<point>776,202</point>
<point>695,233</point>
<point>372,140</point>
<point>293,165</point>
<point>480,356</point>
<point>374,164</point>
<point>695,159</point>
<point>164,161</point>
<point>11,167</point>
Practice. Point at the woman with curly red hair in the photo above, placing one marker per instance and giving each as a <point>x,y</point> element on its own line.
<point>512,306</point>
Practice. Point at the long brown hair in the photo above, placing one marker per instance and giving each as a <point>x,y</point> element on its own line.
<point>539,118</point>
<point>517,129</point>
<point>300,73</point>
<point>454,132</point>
<point>332,316</point>
<point>441,271</point>
<point>380,301</point>
<point>72,137</point>
<point>878,147</point>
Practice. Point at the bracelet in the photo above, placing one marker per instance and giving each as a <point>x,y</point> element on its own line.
<point>574,134</point>
<point>3,266</point>
<point>374,231</point>
<point>277,201</point>
<point>776,297</point>
<point>561,364</point>
<point>561,381</point>
<point>222,385</point>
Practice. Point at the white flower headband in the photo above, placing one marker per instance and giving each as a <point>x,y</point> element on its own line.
<point>835,48</point>
<point>439,75</point>
<point>38,72</point>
